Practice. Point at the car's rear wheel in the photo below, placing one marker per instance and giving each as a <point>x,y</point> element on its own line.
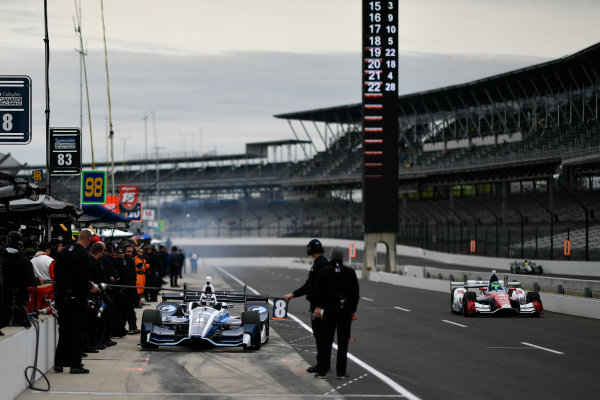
<point>149,319</point>
<point>539,270</point>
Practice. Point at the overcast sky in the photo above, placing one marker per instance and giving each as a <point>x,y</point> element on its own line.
<point>215,72</point>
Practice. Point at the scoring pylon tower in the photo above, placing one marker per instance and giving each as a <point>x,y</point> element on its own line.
<point>380,130</point>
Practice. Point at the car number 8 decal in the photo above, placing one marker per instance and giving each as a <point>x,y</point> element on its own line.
<point>280,308</point>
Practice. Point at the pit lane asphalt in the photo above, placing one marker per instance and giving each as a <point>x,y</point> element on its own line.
<point>126,371</point>
<point>412,337</point>
<point>407,334</point>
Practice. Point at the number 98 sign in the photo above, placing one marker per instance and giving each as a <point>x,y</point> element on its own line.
<point>93,187</point>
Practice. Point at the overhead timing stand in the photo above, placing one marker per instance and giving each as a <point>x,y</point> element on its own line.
<point>380,129</point>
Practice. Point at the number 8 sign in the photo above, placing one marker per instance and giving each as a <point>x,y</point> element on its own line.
<point>93,187</point>
<point>280,307</point>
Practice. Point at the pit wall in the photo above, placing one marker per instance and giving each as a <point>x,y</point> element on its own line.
<point>563,267</point>
<point>17,352</point>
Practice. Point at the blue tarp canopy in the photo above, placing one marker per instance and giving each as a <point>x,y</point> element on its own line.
<point>101,216</point>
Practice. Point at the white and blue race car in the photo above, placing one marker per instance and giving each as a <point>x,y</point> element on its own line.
<point>198,317</point>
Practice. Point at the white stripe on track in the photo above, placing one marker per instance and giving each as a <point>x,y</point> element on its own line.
<point>542,348</point>
<point>402,309</point>
<point>454,323</point>
<point>388,381</point>
<point>366,298</point>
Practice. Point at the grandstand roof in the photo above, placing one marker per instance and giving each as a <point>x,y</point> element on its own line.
<point>573,71</point>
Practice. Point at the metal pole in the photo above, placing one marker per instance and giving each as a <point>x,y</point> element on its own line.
<point>47,62</point>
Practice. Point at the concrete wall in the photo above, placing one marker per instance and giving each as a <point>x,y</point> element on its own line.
<point>574,268</point>
<point>17,350</point>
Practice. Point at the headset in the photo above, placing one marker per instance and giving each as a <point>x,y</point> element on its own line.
<point>14,240</point>
<point>314,247</point>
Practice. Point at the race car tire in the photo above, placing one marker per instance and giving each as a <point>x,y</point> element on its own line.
<point>513,269</point>
<point>265,327</point>
<point>252,318</point>
<point>452,303</point>
<point>534,297</point>
<point>149,319</point>
<point>517,269</point>
<point>467,298</point>
<point>539,270</point>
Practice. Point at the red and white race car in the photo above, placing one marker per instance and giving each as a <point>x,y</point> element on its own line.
<point>493,297</point>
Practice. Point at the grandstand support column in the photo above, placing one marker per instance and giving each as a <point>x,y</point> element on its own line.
<point>371,240</point>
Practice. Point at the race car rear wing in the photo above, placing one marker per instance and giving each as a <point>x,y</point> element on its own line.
<point>229,296</point>
<point>474,284</point>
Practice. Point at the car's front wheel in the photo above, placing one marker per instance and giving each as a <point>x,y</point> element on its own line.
<point>149,319</point>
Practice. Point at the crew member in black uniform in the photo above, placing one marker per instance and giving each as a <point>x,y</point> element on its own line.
<point>152,275</point>
<point>118,295</point>
<point>72,288</point>
<point>17,276</point>
<point>336,297</point>
<point>314,248</point>
<point>131,295</point>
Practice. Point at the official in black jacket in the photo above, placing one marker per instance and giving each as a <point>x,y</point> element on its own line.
<point>314,248</point>
<point>336,298</point>
<point>72,289</point>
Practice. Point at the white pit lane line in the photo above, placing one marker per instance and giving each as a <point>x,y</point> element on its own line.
<point>542,348</point>
<point>388,381</point>
<point>402,309</point>
<point>366,298</point>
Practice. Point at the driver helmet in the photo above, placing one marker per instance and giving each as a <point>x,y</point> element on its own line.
<point>208,298</point>
<point>495,286</point>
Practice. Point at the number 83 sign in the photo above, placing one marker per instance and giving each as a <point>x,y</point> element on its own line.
<point>65,151</point>
<point>93,187</point>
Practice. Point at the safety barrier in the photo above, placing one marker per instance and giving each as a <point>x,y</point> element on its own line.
<point>17,350</point>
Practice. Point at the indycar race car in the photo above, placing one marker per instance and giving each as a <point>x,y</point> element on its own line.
<point>493,297</point>
<point>203,317</point>
<point>525,267</point>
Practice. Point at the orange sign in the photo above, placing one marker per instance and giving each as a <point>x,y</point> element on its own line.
<point>352,251</point>
<point>567,248</point>
<point>112,203</point>
<point>473,246</point>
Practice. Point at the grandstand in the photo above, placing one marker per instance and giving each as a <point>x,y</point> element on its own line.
<point>511,161</point>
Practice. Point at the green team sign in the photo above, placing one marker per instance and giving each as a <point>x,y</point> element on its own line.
<point>93,187</point>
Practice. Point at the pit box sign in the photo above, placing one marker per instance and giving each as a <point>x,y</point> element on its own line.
<point>65,151</point>
<point>93,187</point>
<point>135,214</point>
<point>37,175</point>
<point>128,196</point>
<point>112,204</point>
<point>148,214</point>
<point>15,109</point>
